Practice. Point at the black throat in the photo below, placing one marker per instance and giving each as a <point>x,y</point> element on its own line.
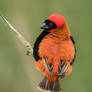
<point>37,43</point>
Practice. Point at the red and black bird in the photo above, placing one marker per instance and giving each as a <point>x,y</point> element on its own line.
<point>56,47</point>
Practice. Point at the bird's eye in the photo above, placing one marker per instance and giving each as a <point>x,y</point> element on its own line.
<point>48,25</point>
<point>51,24</point>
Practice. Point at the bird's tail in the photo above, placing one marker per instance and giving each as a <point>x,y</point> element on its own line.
<point>46,85</point>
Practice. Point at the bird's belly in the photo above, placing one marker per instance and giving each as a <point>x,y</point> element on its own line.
<point>54,50</point>
<point>67,50</point>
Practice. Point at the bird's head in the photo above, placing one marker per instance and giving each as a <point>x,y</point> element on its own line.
<point>53,22</point>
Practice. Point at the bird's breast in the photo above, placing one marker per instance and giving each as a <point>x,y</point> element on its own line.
<point>56,47</point>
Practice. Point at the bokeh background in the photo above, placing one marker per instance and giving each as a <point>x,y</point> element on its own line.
<point>17,71</point>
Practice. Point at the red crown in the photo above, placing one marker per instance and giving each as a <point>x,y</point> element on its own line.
<point>57,19</point>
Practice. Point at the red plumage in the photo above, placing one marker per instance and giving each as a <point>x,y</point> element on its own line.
<point>55,47</point>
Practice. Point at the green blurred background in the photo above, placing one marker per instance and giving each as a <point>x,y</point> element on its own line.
<point>17,71</point>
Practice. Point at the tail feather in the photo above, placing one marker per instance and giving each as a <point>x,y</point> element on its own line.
<point>45,84</point>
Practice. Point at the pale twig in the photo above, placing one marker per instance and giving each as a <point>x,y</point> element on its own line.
<point>18,35</point>
<point>22,39</point>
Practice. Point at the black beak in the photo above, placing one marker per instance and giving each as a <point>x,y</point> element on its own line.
<point>44,26</point>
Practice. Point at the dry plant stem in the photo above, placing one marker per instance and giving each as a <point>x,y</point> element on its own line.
<point>17,34</point>
<point>22,39</point>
